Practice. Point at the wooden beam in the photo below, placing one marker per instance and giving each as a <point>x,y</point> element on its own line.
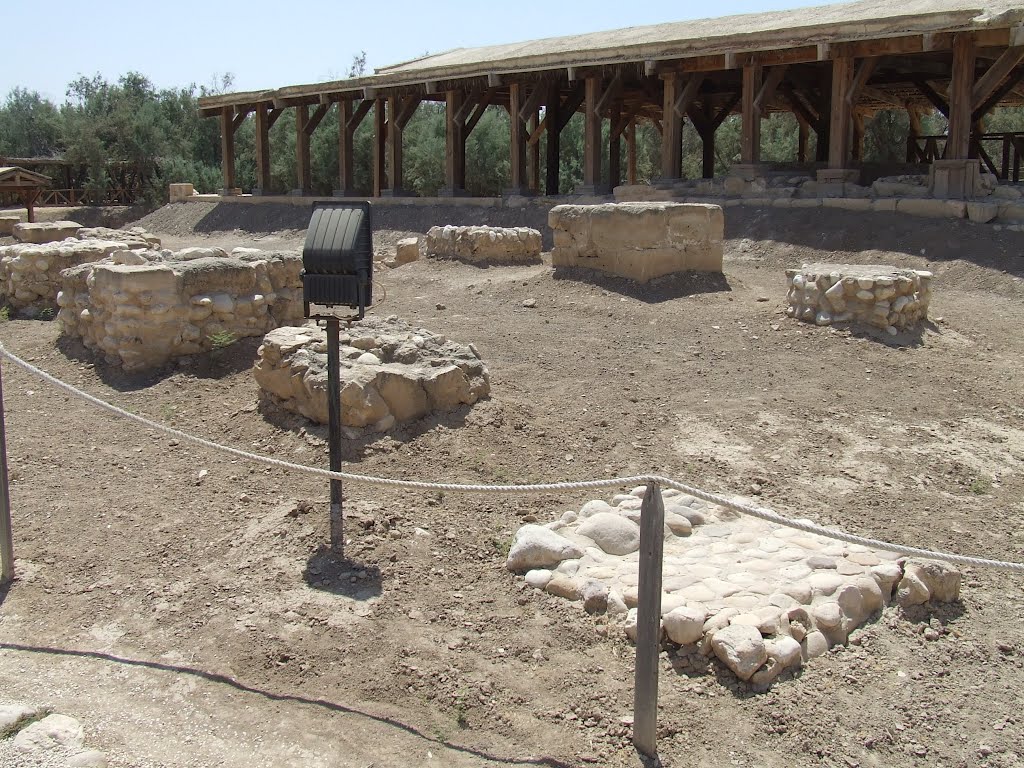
<point>840,123</point>
<point>631,152</point>
<point>395,146</point>
<point>932,95</point>
<point>961,87</point>
<point>750,139</point>
<point>227,147</point>
<point>303,171</point>
<point>860,79</point>
<point>672,131</point>
<point>455,144</point>
<point>478,111</point>
<point>466,105</point>
<point>380,140</point>
<point>726,110</point>
<point>624,121</point>
<point>408,109</point>
<point>768,87</point>
<point>592,136</point>
<point>239,118</point>
<point>272,116</point>
<point>533,102</point>
<point>315,118</point>
<point>877,94</point>
<point>517,139</point>
<point>553,117</point>
<point>354,121</point>
<point>571,104</point>
<point>263,148</point>
<point>533,151</point>
<point>688,94</point>
<point>995,75</point>
<point>610,93</point>
<point>997,95</point>
<point>614,146</point>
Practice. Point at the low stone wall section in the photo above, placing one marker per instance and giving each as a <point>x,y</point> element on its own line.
<point>140,316</point>
<point>763,598</point>
<point>491,245</point>
<point>30,275</point>
<point>883,297</point>
<point>640,241</point>
<point>45,231</point>
<point>391,373</point>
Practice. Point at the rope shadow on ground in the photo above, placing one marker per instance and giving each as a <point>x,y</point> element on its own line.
<point>216,677</point>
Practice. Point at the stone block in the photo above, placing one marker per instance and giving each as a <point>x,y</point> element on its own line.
<point>982,213</point>
<point>492,245</point>
<point>936,209</point>
<point>180,192</point>
<point>954,179</point>
<point>46,231</point>
<point>640,241</point>
<point>847,203</point>
<point>407,249</point>
<point>7,224</point>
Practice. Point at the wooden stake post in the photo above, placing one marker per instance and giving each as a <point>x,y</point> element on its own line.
<point>648,622</point>
<point>6,533</point>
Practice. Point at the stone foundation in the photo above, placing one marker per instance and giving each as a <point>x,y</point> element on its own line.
<point>762,598</point>
<point>888,298</point>
<point>131,238</point>
<point>640,241</point>
<point>142,315</point>
<point>7,224</point>
<point>30,275</point>
<point>390,373</point>
<point>45,232</point>
<point>492,245</point>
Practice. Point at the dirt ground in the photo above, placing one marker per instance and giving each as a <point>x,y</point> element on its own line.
<point>192,619</point>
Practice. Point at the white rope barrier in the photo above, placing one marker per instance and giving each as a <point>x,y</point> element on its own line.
<point>617,482</point>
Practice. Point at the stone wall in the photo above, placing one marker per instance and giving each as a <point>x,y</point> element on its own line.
<point>45,231</point>
<point>140,316</point>
<point>640,241</point>
<point>493,245</point>
<point>30,275</point>
<point>390,373</point>
<point>883,297</point>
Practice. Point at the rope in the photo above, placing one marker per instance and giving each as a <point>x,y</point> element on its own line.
<point>617,482</point>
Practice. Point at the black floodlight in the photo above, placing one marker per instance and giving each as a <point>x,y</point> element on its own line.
<point>337,258</point>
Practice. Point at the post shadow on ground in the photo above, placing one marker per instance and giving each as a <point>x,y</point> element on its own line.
<point>660,289</point>
<point>221,679</point>
<point>235,358</point>
<point>340,575</point>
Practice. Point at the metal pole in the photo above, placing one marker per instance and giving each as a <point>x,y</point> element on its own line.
<point>334,427</point>
<point>6,532</point>
<point>648,622</point>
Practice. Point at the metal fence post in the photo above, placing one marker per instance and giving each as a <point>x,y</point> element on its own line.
<point>334,438</point>
<point>6,532</point>
<point>648,622</point>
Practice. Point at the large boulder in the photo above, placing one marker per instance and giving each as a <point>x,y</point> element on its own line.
<point>535,546</point>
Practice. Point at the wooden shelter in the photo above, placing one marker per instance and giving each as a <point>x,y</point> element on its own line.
<point>831,67</point>
<point>23,185</point>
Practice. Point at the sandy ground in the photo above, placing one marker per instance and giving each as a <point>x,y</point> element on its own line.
<point>192,621</point>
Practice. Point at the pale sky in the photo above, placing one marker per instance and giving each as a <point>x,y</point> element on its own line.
<point>273,43</point>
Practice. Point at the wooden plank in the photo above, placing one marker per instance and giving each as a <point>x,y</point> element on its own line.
<point>648,622</point>
<point>995,75</point>
<point>841,114</point>
<point>961,88</point>
<point>750,138</point>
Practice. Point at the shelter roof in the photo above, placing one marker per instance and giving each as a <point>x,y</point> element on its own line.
<point>14,176</point>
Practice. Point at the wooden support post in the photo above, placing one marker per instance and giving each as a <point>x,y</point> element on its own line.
<point>348,121</point>
<point>455,145</point>
<point>672,129</point>
<point>615,148</point>
<point>750,139</point>
<point>303,171</point>
<point>803,134</point>
<point>553,116</point>
<point>648,622</point>
<point>394,142</point>
<point>960,98</point>
<point>631,152</point>
<point>227,148</point>
<point>857,143</point>
<point>380,140</point>
<point>592,138</point>
<point>533,153</point>
<point>517,141</point>
<point>841,119</point>
<point>262,149</point>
